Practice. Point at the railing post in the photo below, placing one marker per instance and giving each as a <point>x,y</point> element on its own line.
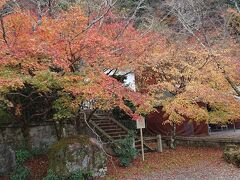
<point>159,143</point>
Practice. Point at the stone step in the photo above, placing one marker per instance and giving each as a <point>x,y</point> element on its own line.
<point>103,121</point>
<point>118,136</point>
<point>102,118</point>
<point>99,118</point>
<point>113,130</point>
<point>103,115</point>
<point>117,133</point>
<point>110,127</point>
<point>106,127</point>
<point>107,124</point>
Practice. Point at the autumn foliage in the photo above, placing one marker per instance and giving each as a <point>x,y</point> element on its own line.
<point>63,59</point>
<point>66,56</point>
<point>193,83</point>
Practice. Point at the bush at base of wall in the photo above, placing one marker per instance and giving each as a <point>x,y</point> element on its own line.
<point>232,154</point>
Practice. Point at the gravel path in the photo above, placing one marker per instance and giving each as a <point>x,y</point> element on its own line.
<point>197,172</point>
<point>180,164</point>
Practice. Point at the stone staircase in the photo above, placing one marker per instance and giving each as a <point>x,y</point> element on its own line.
<point>111,130</point>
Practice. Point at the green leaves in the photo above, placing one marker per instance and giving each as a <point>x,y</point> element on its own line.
<point>20,173</point>
<point>63,108</point>
<point>44,81</point>
<point>22,156</point>
<point>125,150</point>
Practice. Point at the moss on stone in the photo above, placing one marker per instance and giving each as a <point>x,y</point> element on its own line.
<point>232,154</point>
<point>63,143</point>
<point>58,152</point>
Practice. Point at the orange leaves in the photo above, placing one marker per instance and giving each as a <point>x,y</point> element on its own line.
<point>68,39</point>
<point>63,43</point>
<point>18,29</point>
<point>10,83</point>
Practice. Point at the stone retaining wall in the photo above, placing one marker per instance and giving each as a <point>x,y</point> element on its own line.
<point>40,134</point>
<point>203,141</point>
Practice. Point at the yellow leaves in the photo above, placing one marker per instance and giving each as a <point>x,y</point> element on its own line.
<point>2,3</point>
<point>222,107</point>
<point>181,108</point>
<point>7,84</point>
<point>9,79</point>
<point>201,90</point>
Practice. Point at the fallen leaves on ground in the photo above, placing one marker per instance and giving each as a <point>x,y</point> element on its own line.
<point>182,163</point>
<point>38,167</point>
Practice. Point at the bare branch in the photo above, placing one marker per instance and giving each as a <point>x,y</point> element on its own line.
<point>99,18</point>
<point>139,6</point>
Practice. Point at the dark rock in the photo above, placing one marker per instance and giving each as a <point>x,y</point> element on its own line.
<point>7,159</point>
<point>76,153</point>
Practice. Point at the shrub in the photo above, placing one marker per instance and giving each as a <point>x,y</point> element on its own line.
<point>78,175</point>
<point>51,176</point>
<point>232,154</point>
<point>22,156</point>
<point>20,173</point>
<point>125,150</point>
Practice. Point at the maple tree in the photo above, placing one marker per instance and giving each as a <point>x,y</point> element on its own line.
<point>200,72</point>
<point>59,63</point>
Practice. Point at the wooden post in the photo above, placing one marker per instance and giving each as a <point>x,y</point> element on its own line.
<point>141,133</point>
<point>159,143</point>
<point>141,125</point>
